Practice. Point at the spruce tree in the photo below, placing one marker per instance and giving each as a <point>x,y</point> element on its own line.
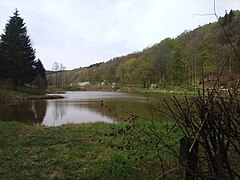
<point>41,79</point>
<point>17,53</point>
<point>2,68</point>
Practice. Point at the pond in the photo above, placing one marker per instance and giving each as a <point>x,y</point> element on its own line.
<point>79,107</point>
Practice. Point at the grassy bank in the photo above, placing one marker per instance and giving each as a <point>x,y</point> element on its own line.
<point>85,151</point>
<point>9,96</point>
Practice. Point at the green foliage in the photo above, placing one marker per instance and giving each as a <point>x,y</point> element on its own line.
<point>126,72</point>
<point>173,62</point>
<point>17,52</point>
<point>40,79</point>
<point>227,18</point>
<point>17,57</point>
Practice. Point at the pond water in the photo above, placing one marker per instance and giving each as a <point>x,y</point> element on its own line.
<point>79,107</point>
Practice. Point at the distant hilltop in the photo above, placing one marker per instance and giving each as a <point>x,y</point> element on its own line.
<point>176,61</point>
<point>48,72</point>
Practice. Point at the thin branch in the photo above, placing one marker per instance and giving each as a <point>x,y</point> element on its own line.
<point>174,169</point>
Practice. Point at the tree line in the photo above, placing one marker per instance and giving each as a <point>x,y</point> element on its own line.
<point>186,60</point>
<point>18,63</point>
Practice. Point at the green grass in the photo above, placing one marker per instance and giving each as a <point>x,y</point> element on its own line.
<point>10,96</point>
<point>84,151</point>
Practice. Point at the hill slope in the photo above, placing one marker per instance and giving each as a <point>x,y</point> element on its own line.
<point>172,62</point>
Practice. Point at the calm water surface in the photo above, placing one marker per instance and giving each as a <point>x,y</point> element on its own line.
<point>78,107</point>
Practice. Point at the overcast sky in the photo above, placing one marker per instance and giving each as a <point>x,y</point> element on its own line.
<point>78,33</point>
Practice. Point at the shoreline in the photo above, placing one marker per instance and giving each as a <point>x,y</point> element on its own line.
<point>36,97</point>
<point>9,97</point>
<point>13,97</point>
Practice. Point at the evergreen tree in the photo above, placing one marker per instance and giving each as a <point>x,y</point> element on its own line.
<point>1,66</point>
<point>41,75</point>
<point>17,53</point>
<point>227,18</point>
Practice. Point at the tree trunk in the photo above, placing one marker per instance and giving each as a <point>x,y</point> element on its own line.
<point>189,159</point>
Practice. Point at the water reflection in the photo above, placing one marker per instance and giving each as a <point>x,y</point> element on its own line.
<point>67,112</point>
<point>78,107</point>
<point>28,112</point>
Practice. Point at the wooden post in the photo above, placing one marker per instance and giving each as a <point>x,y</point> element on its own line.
<point>189,159</point>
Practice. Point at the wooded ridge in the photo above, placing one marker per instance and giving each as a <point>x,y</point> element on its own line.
<point>172,62</point>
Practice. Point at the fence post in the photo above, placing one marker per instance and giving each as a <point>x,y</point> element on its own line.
<point>189,159</point>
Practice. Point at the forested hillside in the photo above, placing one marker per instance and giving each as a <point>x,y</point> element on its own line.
<point>172,62</point>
